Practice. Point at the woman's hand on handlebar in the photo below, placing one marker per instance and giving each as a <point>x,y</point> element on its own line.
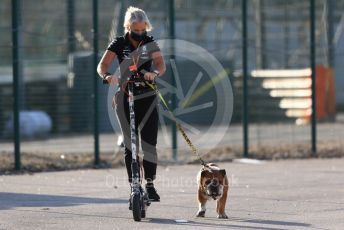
<point>150,76</point>
<point>112,79</point>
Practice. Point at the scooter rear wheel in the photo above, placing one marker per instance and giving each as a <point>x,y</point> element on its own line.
<point>143,213</point>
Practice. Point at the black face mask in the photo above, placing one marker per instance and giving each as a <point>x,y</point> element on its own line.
<point>138,36</point>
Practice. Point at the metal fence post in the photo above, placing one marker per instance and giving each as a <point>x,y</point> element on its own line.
<point>95,83</point>
<point>173,99</point>
<point>16,75</point>
<point>330,31</point>
<point>245,76</point>
<point>70,19</point>
<point>120,28</point>
<point>312,61</point>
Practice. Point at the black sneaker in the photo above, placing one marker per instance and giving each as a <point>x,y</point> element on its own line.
<point>152,194</point>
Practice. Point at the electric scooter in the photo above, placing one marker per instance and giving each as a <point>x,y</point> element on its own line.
<point>138,198</point>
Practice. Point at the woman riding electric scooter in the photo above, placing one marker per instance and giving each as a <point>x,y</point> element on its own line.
<point>136,52</point>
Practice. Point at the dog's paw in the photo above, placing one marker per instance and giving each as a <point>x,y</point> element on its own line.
<point>222,216</point>
<point>200,214</point>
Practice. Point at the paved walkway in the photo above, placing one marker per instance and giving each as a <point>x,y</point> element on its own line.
<point>289,194</point>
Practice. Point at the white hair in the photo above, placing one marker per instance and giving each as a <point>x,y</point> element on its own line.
<point>134,14</point>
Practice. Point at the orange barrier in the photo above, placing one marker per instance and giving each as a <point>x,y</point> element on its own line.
<point>325,95</point>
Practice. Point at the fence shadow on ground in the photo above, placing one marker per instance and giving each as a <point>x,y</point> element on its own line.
<point>16,200</point>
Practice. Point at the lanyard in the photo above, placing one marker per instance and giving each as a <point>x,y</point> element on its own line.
<point>134,67</point>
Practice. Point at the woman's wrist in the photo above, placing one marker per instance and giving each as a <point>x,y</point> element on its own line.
<point>104,75</point>
<point>157,73</point>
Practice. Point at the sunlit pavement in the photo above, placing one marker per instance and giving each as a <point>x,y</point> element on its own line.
<point>288,194</point>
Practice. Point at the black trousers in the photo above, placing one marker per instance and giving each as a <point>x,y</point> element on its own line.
<point>146,121</point>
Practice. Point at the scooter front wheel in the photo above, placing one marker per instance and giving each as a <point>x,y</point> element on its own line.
<point>136,204</point>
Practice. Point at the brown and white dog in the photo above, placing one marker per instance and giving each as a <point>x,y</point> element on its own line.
<point>212,183</point>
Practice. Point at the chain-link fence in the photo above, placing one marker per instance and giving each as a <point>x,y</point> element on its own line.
<point>280,84</point>
<point>55,84</point>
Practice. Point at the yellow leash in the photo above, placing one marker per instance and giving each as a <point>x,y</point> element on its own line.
<point>180,128</point>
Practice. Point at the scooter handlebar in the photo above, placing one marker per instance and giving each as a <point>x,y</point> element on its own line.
<point>139,77</point>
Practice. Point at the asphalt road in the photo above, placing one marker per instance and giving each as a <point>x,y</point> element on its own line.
<point>288,194</point>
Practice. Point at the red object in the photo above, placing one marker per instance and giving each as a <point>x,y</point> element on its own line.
<point>325,95</point>
<point>133,68</point>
